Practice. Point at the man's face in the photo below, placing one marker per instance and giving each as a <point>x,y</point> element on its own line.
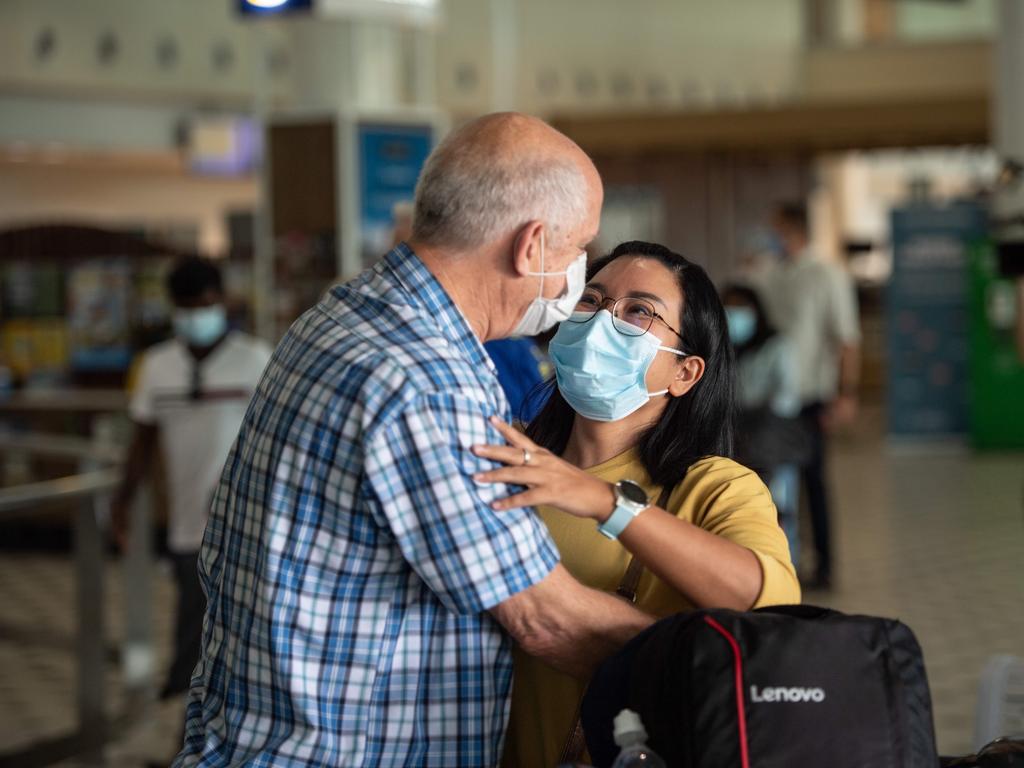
<point>201,320</point>
<point>790,238</point>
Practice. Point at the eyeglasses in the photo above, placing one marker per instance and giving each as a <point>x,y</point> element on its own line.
<point>631,316</point>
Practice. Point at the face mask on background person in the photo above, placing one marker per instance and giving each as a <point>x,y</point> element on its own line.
<point>742,322</point>
<point>200,327</point>
<point>601,372</point>
<point>544,314</point>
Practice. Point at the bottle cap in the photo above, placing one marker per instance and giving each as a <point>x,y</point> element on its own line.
<point>628,723</point>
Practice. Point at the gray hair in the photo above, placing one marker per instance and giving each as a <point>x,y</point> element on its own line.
<point>468,196</point>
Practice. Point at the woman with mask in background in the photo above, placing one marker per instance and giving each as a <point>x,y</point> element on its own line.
<point>770,438</point>
<point>628,464</point>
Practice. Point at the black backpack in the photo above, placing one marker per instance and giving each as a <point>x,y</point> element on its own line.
<point>781,687</point>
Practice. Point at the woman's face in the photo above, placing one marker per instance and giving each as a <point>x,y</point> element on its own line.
<point>639,277</point>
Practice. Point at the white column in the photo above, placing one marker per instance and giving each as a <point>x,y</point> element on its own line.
<point>1008,123</point>
<point>1008,104</point>
<point>425,61</point>
<point>504,55</point>
<point>263,226</point>
<point>353,64</point>
<point>378,74</point>
<point>323,67</point>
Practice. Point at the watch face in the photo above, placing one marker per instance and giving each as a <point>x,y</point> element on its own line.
<point>633,492</point>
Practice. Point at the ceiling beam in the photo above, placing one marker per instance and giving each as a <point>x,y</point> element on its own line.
<point>934,121</point>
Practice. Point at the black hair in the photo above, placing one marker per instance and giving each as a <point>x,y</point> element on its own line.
<point>794,215</point>
<point>764,330</point>
<point>191,277</point>
<point>693,426</point>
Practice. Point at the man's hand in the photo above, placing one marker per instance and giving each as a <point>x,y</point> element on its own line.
<point>139,457</point>
<point>550,480</point>
<point>842,412</point>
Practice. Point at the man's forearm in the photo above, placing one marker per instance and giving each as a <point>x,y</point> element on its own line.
<point>137,462</point>
<point>615,623</point>
<point>849,370</point>
<point>569,626</point>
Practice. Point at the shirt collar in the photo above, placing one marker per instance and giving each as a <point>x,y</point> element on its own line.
<point>427,294</point>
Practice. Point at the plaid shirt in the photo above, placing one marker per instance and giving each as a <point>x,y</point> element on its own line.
<point>350,558</point>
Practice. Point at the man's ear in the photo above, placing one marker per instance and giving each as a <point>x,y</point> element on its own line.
<point>526,248</point>
<point>689,371</point>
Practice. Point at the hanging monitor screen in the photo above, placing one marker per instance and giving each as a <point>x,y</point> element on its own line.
<point>262,7</point>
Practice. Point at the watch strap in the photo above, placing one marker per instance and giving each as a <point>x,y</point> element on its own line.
<point>622,515</point>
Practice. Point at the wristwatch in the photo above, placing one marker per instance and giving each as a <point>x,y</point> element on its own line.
<point>630,501</point>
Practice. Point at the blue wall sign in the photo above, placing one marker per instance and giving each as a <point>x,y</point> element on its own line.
<point>390,160</point>
<point>927,318</point>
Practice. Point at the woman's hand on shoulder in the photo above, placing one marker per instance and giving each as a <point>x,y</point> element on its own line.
<point>549,479</point>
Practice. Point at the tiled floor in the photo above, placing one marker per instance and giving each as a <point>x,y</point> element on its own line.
<point>935,538</point>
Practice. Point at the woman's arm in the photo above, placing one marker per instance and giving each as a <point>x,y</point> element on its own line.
<point>706,567</point>
<point>708,570</point>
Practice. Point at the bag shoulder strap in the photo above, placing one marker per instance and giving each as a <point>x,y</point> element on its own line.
<point>635,569</point>
<point>630,581</point>
<point>576,742</point>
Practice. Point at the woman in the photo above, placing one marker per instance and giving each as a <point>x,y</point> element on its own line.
<point>644,394</point>
<point>770,437</point>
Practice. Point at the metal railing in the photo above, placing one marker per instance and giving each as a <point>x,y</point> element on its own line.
<point>89,490</point>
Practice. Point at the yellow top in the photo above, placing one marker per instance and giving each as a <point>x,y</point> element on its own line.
<point>717,495</point>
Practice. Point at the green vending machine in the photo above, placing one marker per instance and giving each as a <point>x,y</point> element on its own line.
<point>996,370</point>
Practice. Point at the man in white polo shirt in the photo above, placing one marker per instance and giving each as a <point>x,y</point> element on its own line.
<point>815,305</point>
<point>190,396</point>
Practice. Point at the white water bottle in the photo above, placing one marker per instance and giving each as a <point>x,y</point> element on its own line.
<point>631,738</point>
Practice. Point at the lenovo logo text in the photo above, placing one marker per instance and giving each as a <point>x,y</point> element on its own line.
<point>782,693</point>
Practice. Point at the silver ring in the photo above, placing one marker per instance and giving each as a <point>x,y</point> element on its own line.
<point>526,457</point>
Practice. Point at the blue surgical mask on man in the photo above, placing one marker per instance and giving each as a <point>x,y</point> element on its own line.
<point>601,372</point>
<point>202,326</point>
<point>742,322</point>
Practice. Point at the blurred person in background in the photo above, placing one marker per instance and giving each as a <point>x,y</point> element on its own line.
<point>1020,318</point>
<point>642,409</point>
<point>815,305</point>
<point>363,591</point>
<point>189,396</point>
<point>770,437</point>
<point>522,369</point>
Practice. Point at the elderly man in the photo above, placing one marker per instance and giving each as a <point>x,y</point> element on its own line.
<point>360,585</point>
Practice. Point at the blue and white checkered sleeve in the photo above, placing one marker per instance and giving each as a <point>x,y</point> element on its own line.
<point>420,469</point>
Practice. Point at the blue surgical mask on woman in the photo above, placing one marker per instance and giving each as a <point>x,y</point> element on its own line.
<point>201,327</point>
<point>601,372</point>
<point>742,322</point>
